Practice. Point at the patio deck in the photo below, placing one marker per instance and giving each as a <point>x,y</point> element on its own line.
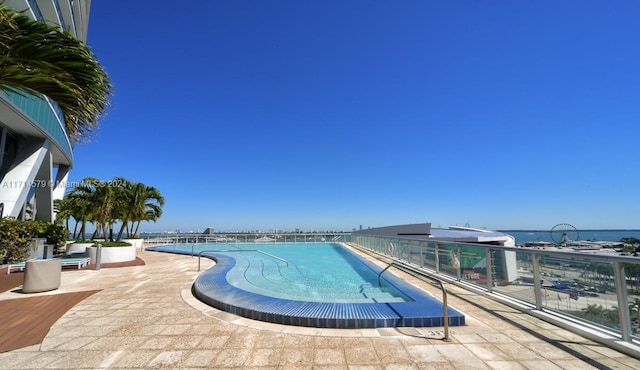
<point>146,317</point>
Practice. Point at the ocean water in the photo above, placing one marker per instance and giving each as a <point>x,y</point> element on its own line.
<point>524,236</point>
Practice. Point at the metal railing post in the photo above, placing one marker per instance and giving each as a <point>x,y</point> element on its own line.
<point>437,258</point>
<point>537,285</point>
<point>489,266</point>
<point>623,301</point>
<point>458,265</point>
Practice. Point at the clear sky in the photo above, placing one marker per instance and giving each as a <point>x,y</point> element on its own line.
<point>328,115</point>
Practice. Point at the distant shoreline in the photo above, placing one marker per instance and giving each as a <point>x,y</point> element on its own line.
<point>544,231</point>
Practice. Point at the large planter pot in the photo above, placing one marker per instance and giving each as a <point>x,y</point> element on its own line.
<point>113,254</point>
<point>77,247</point>
<point>42,275</point>
<point>137,243</point>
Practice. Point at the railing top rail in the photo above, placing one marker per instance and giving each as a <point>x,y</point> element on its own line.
<point>542,251</point>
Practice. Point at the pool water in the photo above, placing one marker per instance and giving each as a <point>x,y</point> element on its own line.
<point>316,285</point>
<point>313,272</point>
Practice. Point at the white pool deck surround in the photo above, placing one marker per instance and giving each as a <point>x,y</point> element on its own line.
<point>146,317</point>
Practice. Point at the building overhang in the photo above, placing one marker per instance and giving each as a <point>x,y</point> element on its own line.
<point>457,234</point>
<point>19,123</point>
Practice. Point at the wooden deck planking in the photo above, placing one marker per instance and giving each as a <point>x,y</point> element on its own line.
<point>10,281</point>
<point>28,320</point>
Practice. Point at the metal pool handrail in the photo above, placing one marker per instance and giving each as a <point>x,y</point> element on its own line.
<point>241,250</point>
<point>444,293</point>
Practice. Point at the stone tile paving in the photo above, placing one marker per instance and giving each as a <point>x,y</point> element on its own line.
<point>146,317</point>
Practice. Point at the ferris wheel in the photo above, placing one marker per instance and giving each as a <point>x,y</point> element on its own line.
<point>563,233</point>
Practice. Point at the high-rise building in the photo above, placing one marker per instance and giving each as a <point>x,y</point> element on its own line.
<point>36,153</point>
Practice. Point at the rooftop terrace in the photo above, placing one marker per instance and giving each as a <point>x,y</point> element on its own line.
<point>145,316</point>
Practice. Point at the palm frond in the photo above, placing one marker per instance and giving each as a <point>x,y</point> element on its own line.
<point>38,58</point>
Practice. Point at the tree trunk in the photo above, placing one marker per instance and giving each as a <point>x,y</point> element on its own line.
<point>124,224</point>
<point>137,227</point>
<point>105,229</point>
<point>83,230</point>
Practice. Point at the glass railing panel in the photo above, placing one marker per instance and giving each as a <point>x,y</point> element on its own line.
<point>40,112</point>
<point>582,288</point>
<point>403,249</point>
<point>429,256</point>
<point>576,284</point>
<point>512,277</point>
<point>515,280</point>
<point>416,249</point>
<point>447,259</point>
<point>473,265</point>
<point>632,272</point>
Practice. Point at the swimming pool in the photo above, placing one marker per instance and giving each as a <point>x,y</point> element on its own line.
<point>317,285</point>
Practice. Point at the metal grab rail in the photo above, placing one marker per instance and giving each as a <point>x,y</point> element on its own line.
<point>241,250</point>
<point>422,275</point>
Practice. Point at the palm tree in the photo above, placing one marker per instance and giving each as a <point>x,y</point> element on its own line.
<point>152,213</point>
<point>105,203</point>
<point>76,205</point>
<point>635,307</point>
<point>143,203</point>
<point>37,58</point>
<point>82,212</point>
<point>98,200</point>
<point>123,210</point>
<point>62,209</point>
<point>594,312</point>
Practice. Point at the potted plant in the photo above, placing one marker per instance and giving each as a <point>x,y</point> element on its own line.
<point>112,252</point>
<point>15,240</point>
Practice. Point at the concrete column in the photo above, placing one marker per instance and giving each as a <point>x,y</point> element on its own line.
<point>15,186</point>
<point>61,182</point>
<point>43,189</point>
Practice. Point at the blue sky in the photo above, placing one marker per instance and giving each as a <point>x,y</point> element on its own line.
<point>328,115</point>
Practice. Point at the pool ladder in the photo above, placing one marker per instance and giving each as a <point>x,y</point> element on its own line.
<point>444,292</point>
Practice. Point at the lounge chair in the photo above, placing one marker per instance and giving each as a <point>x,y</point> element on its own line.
<point>15,266</point>
<point>78,262</point>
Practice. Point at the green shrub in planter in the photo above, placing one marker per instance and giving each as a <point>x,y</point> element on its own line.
<point>56,234</point>
<point>112,244</point>
<point>15,239</point>
<point>16,235</point>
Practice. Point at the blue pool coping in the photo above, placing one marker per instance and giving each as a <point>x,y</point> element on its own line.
<point>212,288</point>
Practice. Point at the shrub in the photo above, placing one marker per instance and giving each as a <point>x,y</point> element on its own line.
<point>55,234</point>
<point>15,239</point>
<point>16,235</point>
<point>112,244</point>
